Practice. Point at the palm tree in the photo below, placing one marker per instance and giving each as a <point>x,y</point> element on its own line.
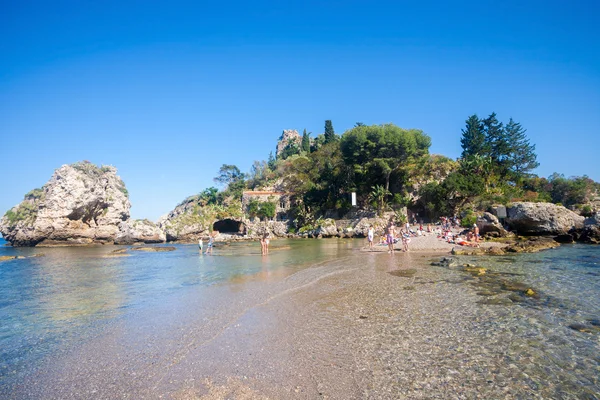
<point>379,195</point>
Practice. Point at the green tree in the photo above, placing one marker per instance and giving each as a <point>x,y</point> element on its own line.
<point>253,208</point>
<point>375,152</point>
<point>209,195</point>
<point>228,174</point>
<point>496,146</point>
<point>329,133</point>
<point>272,162</point>
<point>305,142</point>
<point>571,191</point>
<point>289,150</point>
<point>520,158</point>
<point>267,209</point>
<point>473,137</point>
<point>259,175</point>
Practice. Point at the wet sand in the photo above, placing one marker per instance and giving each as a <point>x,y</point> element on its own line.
<point>344,329</point>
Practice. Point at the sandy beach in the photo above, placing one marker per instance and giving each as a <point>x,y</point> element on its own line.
<point>429,242</point>
<point>368,325</point>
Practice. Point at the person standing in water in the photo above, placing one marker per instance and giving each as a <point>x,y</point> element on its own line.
<point>264,243</point>
<point>370,236</point>
<point>200,245</point>
<point>391,234</point>
<point>211,240</point>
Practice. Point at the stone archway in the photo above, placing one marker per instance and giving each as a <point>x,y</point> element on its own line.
<point>228,225</point>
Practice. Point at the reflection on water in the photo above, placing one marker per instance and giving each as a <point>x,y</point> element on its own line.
<point>67,293</point>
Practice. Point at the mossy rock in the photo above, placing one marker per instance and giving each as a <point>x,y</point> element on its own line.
<point>495,251</point>
<point>514,286</point>
<point>475,271</point>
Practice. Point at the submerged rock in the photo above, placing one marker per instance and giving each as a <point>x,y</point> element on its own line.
<point>581,328</point>
<point>403,273</point>
<point>532,245</point>
<point>81,204</point>
<point>8,258</point>
<point>154,248</point>
<point>447,262</point>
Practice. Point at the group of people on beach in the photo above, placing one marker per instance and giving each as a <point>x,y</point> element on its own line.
<point>471,237</point>
<point>390,237</point>
<point>264,243</point>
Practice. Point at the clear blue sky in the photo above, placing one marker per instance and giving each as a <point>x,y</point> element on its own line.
<point>169,91</point>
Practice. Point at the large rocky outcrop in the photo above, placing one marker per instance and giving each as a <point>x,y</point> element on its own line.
<point>80,204</point>
<point>188,221</point>
<point>542,219</point>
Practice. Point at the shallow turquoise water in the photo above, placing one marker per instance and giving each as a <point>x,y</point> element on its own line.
<point>52,304</point>
<point>63,297</point>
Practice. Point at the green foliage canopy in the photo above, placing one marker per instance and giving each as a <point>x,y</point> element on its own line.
<point>375,152</point>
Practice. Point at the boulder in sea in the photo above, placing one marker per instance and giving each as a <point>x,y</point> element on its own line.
<point>81,204</point>
<point>139,231</point>
<point>591,230</point>
<point>542,219</point>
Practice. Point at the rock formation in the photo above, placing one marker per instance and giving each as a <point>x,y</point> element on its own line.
<point>490,225</point>
<point>288,136</point>
<point>591,230</point>
<point>139,231</point>
<point>80,204</point>
<point>189,221</point>
<point>542,219</point>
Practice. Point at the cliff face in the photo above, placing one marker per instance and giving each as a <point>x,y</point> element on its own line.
<point>80,204</point>
<point>186,222</point>
<point>288,136</point>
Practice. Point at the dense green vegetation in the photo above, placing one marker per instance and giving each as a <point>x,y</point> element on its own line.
<point>389,167</point>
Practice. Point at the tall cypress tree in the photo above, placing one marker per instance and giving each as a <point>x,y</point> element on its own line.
<point>473,138</point>
<point>329,133</point>
<point>305,147</point>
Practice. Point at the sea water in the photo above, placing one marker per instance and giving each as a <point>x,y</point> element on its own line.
<point>55,303</point>
<point>56,298</point>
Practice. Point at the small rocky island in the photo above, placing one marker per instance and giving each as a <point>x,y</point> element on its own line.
<point>81,204</point>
